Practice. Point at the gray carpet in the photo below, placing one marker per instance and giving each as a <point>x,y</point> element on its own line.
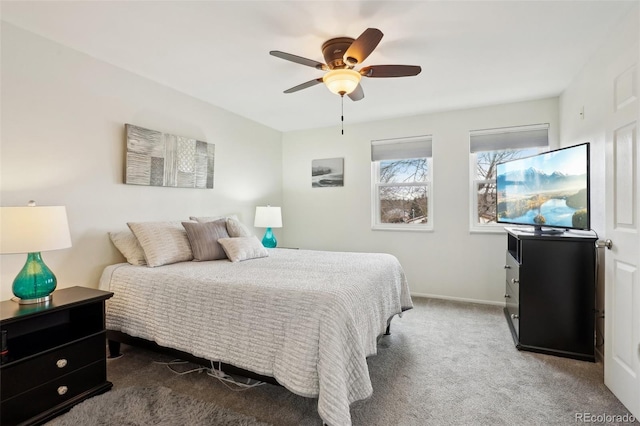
<point>137,406</point>
<point>445,363</point>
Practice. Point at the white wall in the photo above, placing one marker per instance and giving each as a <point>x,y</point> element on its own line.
<point>63,116</point>
<point>588,91</point>
<point>448,262</point>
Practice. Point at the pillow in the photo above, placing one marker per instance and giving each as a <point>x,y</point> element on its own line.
<point>162,242</point>
<point>129,246</point>
<point>203,219</point>
<point>235,228</point>
<point>243,248</point>
<point>203,238</point>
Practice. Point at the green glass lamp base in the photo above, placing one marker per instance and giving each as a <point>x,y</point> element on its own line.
<point>35,281</point>
<point>269,240</point>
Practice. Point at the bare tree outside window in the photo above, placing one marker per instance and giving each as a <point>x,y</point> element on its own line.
<point>403,191</point>
<point>407,170</point>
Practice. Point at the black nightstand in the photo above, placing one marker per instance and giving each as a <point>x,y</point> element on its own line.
<point>56,355</point>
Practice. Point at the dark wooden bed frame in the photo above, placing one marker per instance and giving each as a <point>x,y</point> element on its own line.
<point>115,338</point>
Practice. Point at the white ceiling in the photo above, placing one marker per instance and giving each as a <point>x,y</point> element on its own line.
<point>472,53</point>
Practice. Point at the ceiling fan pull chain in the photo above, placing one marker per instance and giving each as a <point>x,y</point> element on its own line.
<point>342,112</point>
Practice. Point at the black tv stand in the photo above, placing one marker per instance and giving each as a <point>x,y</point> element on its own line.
<point>550,292</point>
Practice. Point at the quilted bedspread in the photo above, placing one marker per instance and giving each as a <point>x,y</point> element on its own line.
<point>307,318</point>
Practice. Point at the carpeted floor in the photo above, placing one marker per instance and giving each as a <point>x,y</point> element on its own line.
<point>445,363</point>
<point>160,406</point>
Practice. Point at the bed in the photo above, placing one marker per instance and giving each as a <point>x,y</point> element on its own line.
<point>308,319</point>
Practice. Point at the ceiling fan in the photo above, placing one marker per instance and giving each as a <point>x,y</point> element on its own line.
<point>341,55</point>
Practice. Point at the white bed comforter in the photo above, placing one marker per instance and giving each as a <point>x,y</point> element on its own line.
<point>307,318</point>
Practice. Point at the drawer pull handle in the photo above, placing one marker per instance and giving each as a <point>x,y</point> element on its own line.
<point>62,390</point>
<point>515,316</point>
<point>61,363</point>
<point>507,267</point>
<point>507,296</point>
<point>515,281</point>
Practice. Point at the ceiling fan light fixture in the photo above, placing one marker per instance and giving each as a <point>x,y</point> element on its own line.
<point>342,81</point>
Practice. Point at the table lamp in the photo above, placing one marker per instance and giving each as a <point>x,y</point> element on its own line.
<point>31,230</point>
<point>268,217</point>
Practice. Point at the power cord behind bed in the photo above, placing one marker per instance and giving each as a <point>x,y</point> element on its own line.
<point>229,381</point>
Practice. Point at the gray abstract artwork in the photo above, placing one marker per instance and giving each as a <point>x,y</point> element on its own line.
<point>160,159</point>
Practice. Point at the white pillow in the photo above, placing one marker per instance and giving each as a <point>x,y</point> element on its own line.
<point>243,248</point>
<point>162,242</point>
<point>235,228</point>
<point>129,246</point>
<point>203,219</point>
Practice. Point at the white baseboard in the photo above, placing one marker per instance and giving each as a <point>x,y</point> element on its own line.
<point>457,299</point>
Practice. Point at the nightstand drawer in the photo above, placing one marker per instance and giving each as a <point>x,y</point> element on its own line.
<point>33,371</point>
<point>53,393</point>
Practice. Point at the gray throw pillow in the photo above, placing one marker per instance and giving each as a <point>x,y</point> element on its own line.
<point>204,237</point>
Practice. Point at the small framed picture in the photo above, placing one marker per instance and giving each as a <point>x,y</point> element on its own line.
<point>327,172</point>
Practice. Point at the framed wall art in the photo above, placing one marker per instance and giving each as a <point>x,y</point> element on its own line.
<point>328,172</point>
<point>161,159</point>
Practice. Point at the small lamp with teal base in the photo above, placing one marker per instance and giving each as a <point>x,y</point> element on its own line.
<point>268,217</point>
<point>32,230</point>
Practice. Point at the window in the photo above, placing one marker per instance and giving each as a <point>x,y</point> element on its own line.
<point>488,148</point>
<point>401,184</point>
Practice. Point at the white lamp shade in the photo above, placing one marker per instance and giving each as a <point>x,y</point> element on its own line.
<point>342,81</point>
<point>33,229</point>
<point>268,217</point>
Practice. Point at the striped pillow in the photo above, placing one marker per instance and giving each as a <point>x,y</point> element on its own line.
<point>162,242</point>
<point>203,238</point>
<point>243,248</point>
<point>128,245</point>
<point>237,228</point>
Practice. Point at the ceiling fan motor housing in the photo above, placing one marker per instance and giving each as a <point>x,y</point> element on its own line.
<point>333,51</point>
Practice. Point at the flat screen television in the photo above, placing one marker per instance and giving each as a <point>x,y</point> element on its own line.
<point>548,191</point>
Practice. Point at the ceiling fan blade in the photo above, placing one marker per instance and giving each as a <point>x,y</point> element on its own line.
<point>376,71</point>
<point>357,94</point>
<point>362,47</point>
<point>299,60</point>
<point>304,85</point>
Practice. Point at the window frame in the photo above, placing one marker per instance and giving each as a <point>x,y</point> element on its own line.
<point>474,195</point>
<point>493,227</point>
<point>376,185</point>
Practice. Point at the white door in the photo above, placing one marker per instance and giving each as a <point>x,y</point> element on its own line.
<point>622,270</point>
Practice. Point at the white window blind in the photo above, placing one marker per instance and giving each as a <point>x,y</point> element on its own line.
<point>521,137</point>
<point>400,149</point>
